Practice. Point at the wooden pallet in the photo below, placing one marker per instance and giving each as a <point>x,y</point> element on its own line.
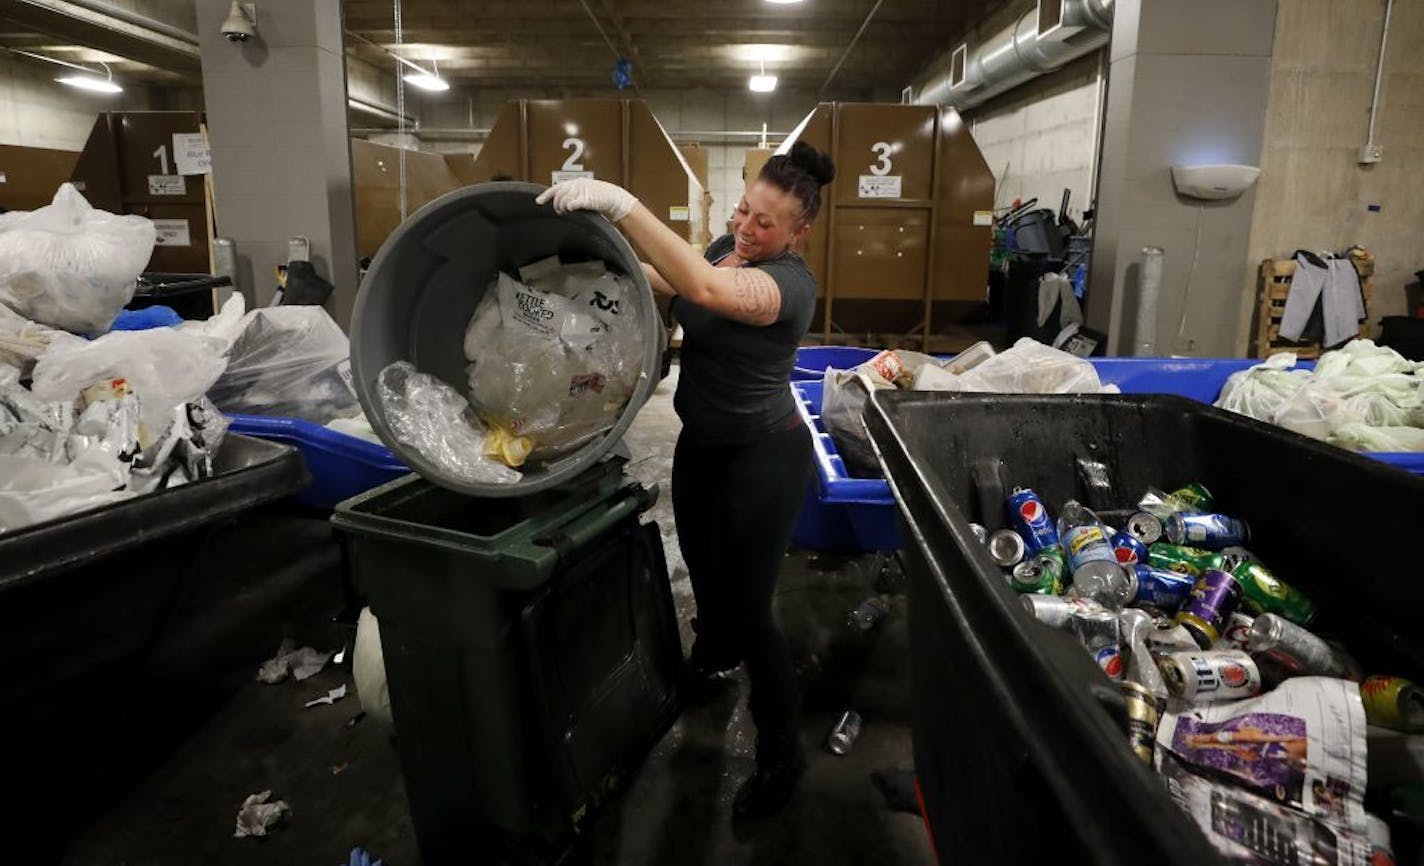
<point>1274,288</point>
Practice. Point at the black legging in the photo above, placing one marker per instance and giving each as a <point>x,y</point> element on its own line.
<point>735,506</point>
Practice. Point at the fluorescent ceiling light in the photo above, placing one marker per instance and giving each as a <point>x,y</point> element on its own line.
<point>426,81</point>
<point>763,52</point>
<point>91,83</point>
<point>783,2</point>
<point>762,83</point>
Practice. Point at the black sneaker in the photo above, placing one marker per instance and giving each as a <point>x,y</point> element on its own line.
<point>769,789</point>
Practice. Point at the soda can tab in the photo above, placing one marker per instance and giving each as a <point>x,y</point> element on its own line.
<point>1162,589</point>
<point>1006,547</point>
<point>1393,702</point>
<point>1057,611</point>
<point>1031,577</point>
<point>1128,549</point>
<point>1175,557</point>
<point>1143,716</point>
<point>1144,527</point>
<point>1214,675</point>
<point>1099,634</point>
<point>844,732</point>
<point>1028,516</point>
<point>1195,495</point>
<point>1212,600</point>
<point>1236,634</point>
<point>979,532</point>
<point>1263,592</point>
<point>1298,652</point>
<point>1206,531</point>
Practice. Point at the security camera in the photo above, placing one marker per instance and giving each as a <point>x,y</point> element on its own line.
<point>240,24</point>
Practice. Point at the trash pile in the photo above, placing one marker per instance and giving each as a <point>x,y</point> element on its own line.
<point>1362,397</point>
<point>1258,723</point>
<point>554,355</point>
<point>1028,367</point>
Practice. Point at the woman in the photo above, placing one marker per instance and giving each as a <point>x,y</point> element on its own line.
<point>743,458</point>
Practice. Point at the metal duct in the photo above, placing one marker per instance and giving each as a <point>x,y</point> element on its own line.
<point>1043,39</point>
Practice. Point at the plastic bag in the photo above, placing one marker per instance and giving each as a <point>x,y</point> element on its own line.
<point>22,341</point>
<point>70,266</point>
<point>164,367</point>
<point>33,491</point>
<point>291,361</point>
<point>431,417</point>
<point>843,397</point>
<point>554,368</point>
<point>1029,367</point>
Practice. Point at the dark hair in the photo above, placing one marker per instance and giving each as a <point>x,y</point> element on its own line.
<point>802,172</point>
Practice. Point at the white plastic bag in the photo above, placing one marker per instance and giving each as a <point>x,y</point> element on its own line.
<point>291,361</point>
<point>22,341</point>
<point>431,417</point>
<point>70,266</point>
<point>32,491</point>
<point>166,368</point>
<point>1029,367</point>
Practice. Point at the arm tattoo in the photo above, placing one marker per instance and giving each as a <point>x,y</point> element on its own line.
<point>758,301</point>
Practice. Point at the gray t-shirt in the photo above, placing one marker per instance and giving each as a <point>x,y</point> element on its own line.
<point>733,386</point>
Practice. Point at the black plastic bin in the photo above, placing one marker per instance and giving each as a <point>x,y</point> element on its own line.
<point>1018,736</point>
<point>82,599</point>
<point>531,652</point>
<point>189,295</point>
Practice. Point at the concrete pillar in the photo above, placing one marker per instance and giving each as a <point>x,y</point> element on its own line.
<point>1188,83</point>
<point>276,108</point>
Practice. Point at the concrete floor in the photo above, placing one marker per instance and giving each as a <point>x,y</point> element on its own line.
<point>201,734</point>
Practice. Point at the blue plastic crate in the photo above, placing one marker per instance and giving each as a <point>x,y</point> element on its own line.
<point>341,465</point>
<point>843,514</point>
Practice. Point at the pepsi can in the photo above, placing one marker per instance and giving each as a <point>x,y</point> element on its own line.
<point>1128,550</point>
<point>1206,531</point>
<point>1163,589</point>
<point>1030,519</point>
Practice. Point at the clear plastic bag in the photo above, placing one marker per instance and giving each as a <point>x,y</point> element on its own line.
<point>69,265</point>
<point>33,491</point>
<point>1029,367</point>
<point>431,417</point>
<point>164,367</point>
<point>843,397</point>
<point>291,361</point>
<point>554,369</point>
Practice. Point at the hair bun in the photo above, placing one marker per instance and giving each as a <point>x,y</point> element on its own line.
<point>813,162</point>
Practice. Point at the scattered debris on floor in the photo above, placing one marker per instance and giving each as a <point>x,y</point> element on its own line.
<point>329,698</point>
<point>300,663</point>
<point>257,815</point>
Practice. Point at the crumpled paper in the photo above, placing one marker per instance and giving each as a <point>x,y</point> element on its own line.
<point>257,815</point>
<point>299,663</point>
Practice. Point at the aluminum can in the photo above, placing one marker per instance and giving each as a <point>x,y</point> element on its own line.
<point>1195,495</point>
<point>1297,651</point>
<point>1029,517</point>
<point>1162,589</point>
<point>1098,632</point>
<point>1006,547</point>
<point>1211,602</point>
<point>1207,531</point>
<point>844,732</point>
<point>1214,675</point>
<point>1052,560</point>
<point>1236,634</point>
<point>1030,576</point>
<point>1145,527</point>
<point>1175,557</point>
<point>980,532</point>
<point>1128,549</point>
<point>1143,717</point>
<point>1057,611</point>
<point>1393,702</point>
<point>1263,592</point>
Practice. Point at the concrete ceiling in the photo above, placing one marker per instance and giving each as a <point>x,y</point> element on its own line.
<point>547,45</point>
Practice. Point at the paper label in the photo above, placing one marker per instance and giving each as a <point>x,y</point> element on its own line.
<point>875,186</point>
<point>537,312</point>
<point>167,184</point>
<point>560,176</point>
<point>172,233</point>
<point>191,154</point>
<point>679,214</point>
<point>983,218</point>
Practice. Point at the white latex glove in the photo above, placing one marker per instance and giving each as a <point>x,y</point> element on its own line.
<point>585,193</point>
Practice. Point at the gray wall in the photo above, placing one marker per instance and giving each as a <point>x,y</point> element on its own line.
<point>1188,83</point>
<point>37,111</point>
<point>1313,194</point>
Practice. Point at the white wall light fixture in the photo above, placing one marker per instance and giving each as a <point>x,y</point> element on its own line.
<point>91,83</point>
<point>1214,182</point>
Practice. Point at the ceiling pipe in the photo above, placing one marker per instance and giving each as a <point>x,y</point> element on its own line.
<point>1045,38</point>
<point>96,12</point>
